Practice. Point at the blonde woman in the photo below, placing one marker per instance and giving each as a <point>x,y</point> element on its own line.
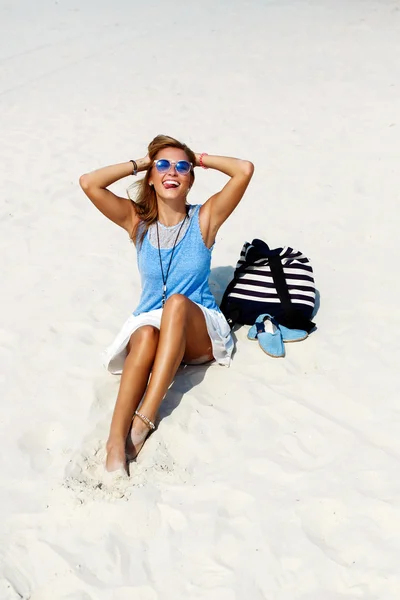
<point>177,319</point>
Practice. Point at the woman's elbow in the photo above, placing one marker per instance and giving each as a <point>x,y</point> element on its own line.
<point>84,181</point>
<point>248,168</point>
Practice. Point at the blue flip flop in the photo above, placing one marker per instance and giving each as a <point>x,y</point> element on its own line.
<point>288,335</point>
<point>269,338</point>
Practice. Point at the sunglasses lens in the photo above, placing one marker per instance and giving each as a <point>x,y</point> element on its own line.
<point>163,165</point>
<point>183,167</point>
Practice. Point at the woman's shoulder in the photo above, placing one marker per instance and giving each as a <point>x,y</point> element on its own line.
<point>193,209</point>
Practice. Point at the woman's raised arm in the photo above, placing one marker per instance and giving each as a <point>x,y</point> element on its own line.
<point>116,208</point>
<point>217,209</point>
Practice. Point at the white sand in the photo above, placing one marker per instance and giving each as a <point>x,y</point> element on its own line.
<point>274,479</point>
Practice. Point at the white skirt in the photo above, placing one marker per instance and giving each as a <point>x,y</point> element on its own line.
<point>217,327</point>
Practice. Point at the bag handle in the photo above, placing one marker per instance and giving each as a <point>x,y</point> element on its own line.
<point>292,317</point>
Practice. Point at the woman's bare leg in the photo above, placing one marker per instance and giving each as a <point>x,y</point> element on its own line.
<point>135,375</point>
<point>183,336</point>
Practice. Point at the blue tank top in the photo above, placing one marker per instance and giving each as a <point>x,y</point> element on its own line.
<point>188,274</point>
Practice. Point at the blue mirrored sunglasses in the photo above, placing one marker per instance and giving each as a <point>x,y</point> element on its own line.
<point>183,167</point>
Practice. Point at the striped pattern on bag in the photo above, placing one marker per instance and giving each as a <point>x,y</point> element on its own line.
<point>256,282</point>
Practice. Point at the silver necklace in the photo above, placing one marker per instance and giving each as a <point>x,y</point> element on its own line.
<point>164,293</point>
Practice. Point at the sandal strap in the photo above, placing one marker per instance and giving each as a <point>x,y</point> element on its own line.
<point>145,420</point>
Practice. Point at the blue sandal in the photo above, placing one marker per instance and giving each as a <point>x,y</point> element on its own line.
<point>288,335</point>
<point>270,341</point>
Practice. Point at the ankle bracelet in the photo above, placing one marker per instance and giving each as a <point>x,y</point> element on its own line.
<point>145,420</point>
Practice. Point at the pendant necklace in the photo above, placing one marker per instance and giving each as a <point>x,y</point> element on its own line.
<point>164,294</point>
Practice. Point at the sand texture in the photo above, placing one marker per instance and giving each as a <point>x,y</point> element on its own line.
<point>268,480</point>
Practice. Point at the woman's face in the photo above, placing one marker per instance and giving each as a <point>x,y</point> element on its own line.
<point>171,184</point>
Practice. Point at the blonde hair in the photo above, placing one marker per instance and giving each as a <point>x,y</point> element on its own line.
<point>145,196</point>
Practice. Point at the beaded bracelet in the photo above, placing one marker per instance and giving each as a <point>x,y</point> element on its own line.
<point>145,420</point>
<point>202,165</point>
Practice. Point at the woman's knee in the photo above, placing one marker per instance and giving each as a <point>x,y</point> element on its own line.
<point>177,304</point>
<point>146,335</point>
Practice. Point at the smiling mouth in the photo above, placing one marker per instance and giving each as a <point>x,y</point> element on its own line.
<point>170,184</point>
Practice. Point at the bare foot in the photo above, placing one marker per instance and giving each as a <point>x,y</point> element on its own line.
<point>116,459</point>
<point>136,438</point>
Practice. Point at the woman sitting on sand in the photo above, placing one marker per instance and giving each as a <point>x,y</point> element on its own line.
<point>177,319</point>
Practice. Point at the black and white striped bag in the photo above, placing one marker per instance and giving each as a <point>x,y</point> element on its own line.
<point>278,282</point>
